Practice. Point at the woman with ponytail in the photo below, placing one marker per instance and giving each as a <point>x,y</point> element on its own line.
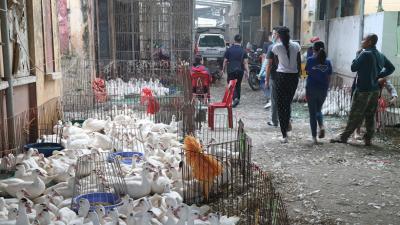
<point>319,70</point>
<point>287,56</point>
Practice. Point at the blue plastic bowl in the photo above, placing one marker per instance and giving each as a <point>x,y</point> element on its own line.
<point>45,148</point>
<point>108,200</point>
<point>127,157</point>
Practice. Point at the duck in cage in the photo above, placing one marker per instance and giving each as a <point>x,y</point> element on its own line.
<point>99,181</point>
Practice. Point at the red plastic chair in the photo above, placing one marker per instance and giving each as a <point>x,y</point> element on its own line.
<point>226,103</point>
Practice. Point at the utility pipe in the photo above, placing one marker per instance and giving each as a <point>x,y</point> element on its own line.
<point>327,17</point>
<point>361,35</point>
<point>7,70</point>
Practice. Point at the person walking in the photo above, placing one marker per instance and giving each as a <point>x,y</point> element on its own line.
<point>236,63</point>
<point>287,54</point>
<point>319,69</point>
<point>370,65</point>
<point>270,77</point>
<point>262,74</point>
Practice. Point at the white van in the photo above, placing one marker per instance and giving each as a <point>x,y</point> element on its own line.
<point>211,46</point>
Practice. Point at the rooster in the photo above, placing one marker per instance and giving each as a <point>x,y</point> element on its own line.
<point>204,166</point>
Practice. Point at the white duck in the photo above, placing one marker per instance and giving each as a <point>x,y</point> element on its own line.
<point>5,163</point>
<point>44,217</point>
<point>216,219</point>
<point>93,125</point>
<point>84,207</point>
<point>159,182</point>
<point>137,189</point>
<point>94,218</point>
<point>11,217</point>
<point>70,130</point>
<point>35,188</point>
<point>101,213</point>
<point>127,205</point>
<point>27,158</point>
<point>65,189</point>
<point>101,141</point>
<point>172,194</point>
<point>3,209</point>
<point>132,219</point>
<point>66,215</point>
<point>115,220</point>
<point>22,218</point>
<point>171,219</point>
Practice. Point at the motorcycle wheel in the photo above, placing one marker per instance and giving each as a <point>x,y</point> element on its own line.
<point>216,76</point>
<point>253,80</point>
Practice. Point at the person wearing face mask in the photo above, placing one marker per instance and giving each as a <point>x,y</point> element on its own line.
<point>286,55</point>
<point>371,66</point>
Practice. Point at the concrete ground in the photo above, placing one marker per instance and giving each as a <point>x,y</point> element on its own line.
<point>328,183</point>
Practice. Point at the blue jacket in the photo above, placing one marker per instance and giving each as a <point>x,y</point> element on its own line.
<point>370,65</point>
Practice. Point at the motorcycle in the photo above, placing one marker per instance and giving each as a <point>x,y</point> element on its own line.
<point>255,60</point>
<point>215,67</point>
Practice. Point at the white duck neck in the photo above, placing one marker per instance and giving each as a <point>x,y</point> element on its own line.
<point>22,218</point>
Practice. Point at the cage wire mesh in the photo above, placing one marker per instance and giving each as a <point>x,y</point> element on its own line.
<point>239,189</point>
<point>123,94</point>
<point>27,126</point>
<point>127,139</point>
<point>156,30</point>
<point>99,179</point>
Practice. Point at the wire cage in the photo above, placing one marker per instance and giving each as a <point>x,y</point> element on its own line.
<point>121,87</point>
<point>99,179</point>
<point>127,139</point>
<point>156,30</point>
<point>26,127</point>
<point>388,114</point>
<point>338,99</point>
<point>229,182</point>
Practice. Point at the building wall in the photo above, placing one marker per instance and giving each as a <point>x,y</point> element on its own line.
<point>343,43</point>
<point>371,6</point>
<point>390,43</point>
<point>46,89</point>
<point>76,28</point>
<point>344,38</point>
<point>233,21</point>
<point>307,15</point>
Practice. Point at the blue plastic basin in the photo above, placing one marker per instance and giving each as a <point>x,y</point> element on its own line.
<point>126,157</point>
<point>45,148</point>
<point>108,200</point>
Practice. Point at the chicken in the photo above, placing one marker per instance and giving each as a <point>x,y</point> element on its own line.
<point>205,168</point>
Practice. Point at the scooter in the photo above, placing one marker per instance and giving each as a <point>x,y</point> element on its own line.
<point>215,69</point>
<point>255,59</point>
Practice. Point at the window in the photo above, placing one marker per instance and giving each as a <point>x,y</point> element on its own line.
<point>321,9</point>
<point>211,41</point>
<point>48,36</point>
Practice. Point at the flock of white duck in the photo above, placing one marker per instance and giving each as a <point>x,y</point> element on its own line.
<point>154,184</point>
<point>120,88</point>
<point>338,100</point>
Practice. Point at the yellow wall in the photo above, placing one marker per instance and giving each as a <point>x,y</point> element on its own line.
<point>371,6</point>
<point>45,89</point>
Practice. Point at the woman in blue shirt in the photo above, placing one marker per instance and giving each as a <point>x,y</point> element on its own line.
<point>319,70</point>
